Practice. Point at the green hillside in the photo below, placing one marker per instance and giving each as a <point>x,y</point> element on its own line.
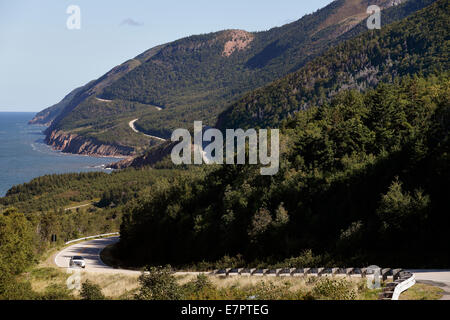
<point>418,44</point>
<point>196,78</point>
<point>356,176</point>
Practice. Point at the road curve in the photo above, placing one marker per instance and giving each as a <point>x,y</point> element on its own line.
<point>90,251</point>
<point>131,124</point>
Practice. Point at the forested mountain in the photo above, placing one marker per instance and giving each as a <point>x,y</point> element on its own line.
<point>418,44</point>
<point>197,77</point>
<point>359,170</point>
<point>363,180</point>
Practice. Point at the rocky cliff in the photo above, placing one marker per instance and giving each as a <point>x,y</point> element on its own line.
<point>73,143</point>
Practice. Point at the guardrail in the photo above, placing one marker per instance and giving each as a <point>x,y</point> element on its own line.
<point>402,280</point>
<point>93,237</point>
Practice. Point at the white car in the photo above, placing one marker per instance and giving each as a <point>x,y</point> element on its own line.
<point>77,261</point>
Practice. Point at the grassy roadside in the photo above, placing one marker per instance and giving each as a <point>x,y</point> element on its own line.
<point>52,281</point>
<point>421,291</point>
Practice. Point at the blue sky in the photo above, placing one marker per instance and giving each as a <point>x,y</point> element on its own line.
<point>41,60</point>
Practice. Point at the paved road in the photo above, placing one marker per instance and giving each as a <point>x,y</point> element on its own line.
<point>435,277</point>
<point>131,124</point>
<point>103,100</point>
<point>90,251</point>
<point>80,206</point>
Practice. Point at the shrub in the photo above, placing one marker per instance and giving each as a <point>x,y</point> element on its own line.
<point>56,292</point>
<point>304,260</point>
<point>230,262</point>
<point>11,289</point>
<point>333,289</point>
<point>158,283</point>
<point>91,291</point>
<point>200,288</point>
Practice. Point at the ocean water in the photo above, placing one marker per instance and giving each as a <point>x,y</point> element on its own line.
<point>24,155</point>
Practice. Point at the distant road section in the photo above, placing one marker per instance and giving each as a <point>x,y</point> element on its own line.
<point>131,124</point>
<point>80,206</point>
<point>103,100</point>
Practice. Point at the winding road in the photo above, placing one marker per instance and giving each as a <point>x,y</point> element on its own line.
<point>90,251</point>
<point>131,124</point>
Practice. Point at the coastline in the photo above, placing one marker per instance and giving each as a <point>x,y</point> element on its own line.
<point>95,155</point>
<point>26,156</point>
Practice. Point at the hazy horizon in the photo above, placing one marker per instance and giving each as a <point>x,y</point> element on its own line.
<point>42,60</point>
<point>6,111</point>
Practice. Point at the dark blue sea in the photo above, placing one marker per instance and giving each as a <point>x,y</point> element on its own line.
<point>24,155</point>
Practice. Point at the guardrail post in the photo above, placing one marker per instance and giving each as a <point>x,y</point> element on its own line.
<point>349,271</point>
<point>363,272</point>
<point>334,271</point>
<point>385,273</point>
<point>396,274</point>
<point>320,271</point>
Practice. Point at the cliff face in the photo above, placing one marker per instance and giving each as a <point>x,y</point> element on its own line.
<point>73,143</point>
